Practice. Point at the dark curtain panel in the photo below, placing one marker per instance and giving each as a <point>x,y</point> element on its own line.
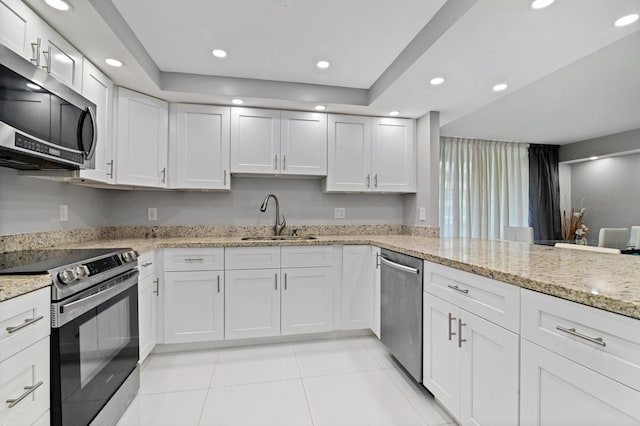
<point>544,192</point>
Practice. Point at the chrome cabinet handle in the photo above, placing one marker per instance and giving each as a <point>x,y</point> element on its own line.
<point>110,164</point>
<point>378,255</point>
<point>225,178</point>
<point>572,331</point>
<point>275,166</point>
<point>164,174</point>
<point>47,58</point>
<point>157,290</point>
<point>276,277</point>
<point>29,390</point>
<point>35,52</point>
<point>368,181</point>
<point>375,180</point>
<point>285,282</point>
<point>145,264</point>
<point>194,259</point>
<point>218,283</point>
<point>460,339</point>
<point>284,162</point>
<point>26,323</point>
<point>458,289</point>
<point>451,333</point>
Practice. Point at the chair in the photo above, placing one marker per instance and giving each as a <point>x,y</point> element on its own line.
<point>634,237</point>
<point>587,248</point>
<point>613,237</point>
<point>521,234</point>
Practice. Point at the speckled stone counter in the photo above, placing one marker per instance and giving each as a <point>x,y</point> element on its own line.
<point>609,282</point>
<point>16,285</point>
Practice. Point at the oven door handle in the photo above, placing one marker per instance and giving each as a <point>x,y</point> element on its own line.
<point>398,266</point>
<point>71,310</point>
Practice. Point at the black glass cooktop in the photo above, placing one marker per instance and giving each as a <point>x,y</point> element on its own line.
<point>41,261</point>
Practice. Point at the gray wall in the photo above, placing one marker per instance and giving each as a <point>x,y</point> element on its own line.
<point>301,201</point>
<point>625,142</point>
<point>608,189</point>
<point>33,205</point>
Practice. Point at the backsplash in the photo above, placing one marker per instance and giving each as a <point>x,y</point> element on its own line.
<point>36,240</point>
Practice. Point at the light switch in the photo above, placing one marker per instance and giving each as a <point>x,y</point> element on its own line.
<point>64,213</point>
<point>340,213</point>
<point>423,214</point>
<point>152,213</point>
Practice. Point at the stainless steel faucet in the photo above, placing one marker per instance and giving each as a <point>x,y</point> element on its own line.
<point>279,226</point>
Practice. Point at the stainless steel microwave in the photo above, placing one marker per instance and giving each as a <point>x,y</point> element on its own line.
<point>44,125</point>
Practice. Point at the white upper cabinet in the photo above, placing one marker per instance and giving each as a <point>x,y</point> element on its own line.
<point>199,147</point>
<point>303,143</point>
<point>393,155</point>
<point>99,89</point>
<point>255,141</point>
<point>349,158</point>
<point>278,142</point>
<point>24,32</point>
<point>141,145</point>
<point>371,154</point>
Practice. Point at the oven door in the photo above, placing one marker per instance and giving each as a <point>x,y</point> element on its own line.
<point>94,349</point>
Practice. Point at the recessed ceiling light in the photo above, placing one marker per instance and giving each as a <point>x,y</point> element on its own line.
<point>436,81</point>
<point>219,53</point>
<point>500,87</point>
<point>320,107</point>
<point>237,101</point>
<point>323,64</point>
<point>626,20</point>
<point>394,113</point>
<point>113,62</point>
<point>33,86</point>
<point>59,5</point>
<point>594,157</point>
<point>540,4</point>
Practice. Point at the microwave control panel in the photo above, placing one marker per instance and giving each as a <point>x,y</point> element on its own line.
<point>25,142</point>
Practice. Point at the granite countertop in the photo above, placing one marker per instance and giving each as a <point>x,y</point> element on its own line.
<point>609,282</point>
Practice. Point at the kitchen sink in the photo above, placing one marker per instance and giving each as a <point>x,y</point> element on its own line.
<point>279,238</point>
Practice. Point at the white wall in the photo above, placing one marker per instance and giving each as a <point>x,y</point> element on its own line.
<point>564,177</point>
<point>301,201</point>
<point>33,205</point>
<point>609,188</point>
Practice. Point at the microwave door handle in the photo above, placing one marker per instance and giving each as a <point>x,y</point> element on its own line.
<point>88,112</point>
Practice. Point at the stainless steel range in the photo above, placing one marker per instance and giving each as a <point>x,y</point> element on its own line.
<point>94,330</point>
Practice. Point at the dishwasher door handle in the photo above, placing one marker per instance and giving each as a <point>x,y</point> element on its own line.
<point>398,266</point>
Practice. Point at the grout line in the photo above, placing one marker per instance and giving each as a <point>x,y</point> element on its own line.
<point>304,390</point>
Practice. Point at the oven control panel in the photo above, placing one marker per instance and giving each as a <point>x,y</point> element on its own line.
<point>103,265</point>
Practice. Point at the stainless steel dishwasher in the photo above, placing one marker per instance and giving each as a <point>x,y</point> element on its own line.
<point>401,309</point>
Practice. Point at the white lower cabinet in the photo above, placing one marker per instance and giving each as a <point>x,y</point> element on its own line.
<point>24,385</point>
<point>307,300</point>
<point>375,259</point>
<point>193,306</point>
<point>357,287</point>
<point>252,303</point>
<point>558,391</point>
<point>148,292</point>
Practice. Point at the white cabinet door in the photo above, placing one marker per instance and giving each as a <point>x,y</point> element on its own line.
<point>147,314</point>
<point>556,391</point>
<point>98,88</point>
<point>141,146</point>
<point>60,59</point>
<point>26,369</point>
<point>490,373</point>
<point>252,303</point>
<point>304,143</point>
<point>255,141</point>
<point>193,306</point>
<point>307,300</point>
<point>375,259</point>
<point>393,155</point>
<point>441,355</point>
<point>349,153</point>
<point>357,287</point>
<point>17,29</point>
<point>201,147</point>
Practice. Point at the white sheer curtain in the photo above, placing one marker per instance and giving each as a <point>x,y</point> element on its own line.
<point>484,186</point>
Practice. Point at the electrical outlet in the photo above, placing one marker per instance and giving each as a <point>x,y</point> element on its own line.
<point>152,213</point>
<point>423,213</point>
<point>64,213</point>
<point>339,213</point>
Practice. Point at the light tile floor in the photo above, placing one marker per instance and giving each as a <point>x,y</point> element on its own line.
<point>343,382</point>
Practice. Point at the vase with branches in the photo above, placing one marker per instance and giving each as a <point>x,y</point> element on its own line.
<point>573,227</point>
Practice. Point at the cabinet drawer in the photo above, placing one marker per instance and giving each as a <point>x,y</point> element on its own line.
<point>146,264</point>
<point>492,300</point>
<point>252,258</point>
<point>28,368</point>
<point>307,257</point>
<point>33,312</point>
<point>198,259</point>
<point>618,354</point>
